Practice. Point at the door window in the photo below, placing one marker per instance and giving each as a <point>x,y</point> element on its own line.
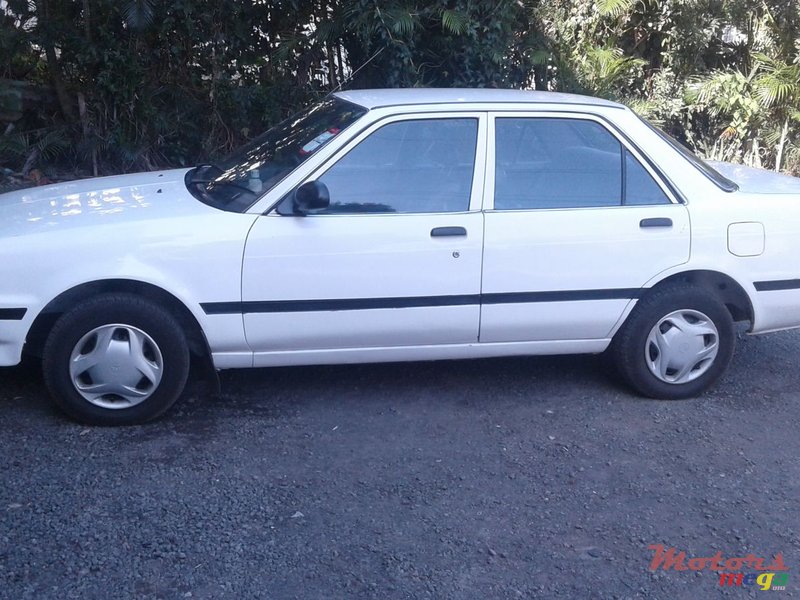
<point>566,163</point>
<point>415,166</point>
<point>640,187</point>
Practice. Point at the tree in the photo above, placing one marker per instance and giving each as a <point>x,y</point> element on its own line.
<point>141,84</point>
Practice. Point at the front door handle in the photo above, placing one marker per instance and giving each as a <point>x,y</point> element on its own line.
<point>659,222</point>
<point>445,231</point>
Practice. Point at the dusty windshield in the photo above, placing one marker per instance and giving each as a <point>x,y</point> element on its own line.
<point>235,183</point>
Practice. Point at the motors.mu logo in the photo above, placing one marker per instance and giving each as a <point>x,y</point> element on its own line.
<point>746,571</point>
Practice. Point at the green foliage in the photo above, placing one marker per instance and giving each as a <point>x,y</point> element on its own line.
<point>138,14</point>
<point>603,70</point>
<point>614,8</point>
<point>48,143</point>
<point>721,76</point>
<point>140,84</point>
<point>28,147</point>
<point>778,83</point>
<point>454,22</point>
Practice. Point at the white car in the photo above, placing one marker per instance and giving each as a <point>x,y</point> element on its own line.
<point>395,225</point>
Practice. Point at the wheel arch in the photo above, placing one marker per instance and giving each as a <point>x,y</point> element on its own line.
<point>47,317</point>
<point>726,288</point>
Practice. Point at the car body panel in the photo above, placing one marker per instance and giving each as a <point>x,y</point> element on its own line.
<point>758,181</point>
<point>575,270</point>
<point>373,262</point>
<point>773,309</point>
<point>147,228</point>
<point>144,228</point>
<point>413,99</point>
<point>377,354</point>
<point>95,203</point>
<point>408,285</point>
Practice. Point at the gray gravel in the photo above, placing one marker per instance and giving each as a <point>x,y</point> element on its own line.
<point>514,478</point>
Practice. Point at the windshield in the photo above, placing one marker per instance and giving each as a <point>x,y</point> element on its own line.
<point>718,178</point>
<point>238,181</point>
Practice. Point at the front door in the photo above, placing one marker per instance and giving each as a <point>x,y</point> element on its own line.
<point>394,261</point>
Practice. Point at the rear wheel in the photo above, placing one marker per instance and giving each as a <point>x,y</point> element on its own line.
<point>676,343</point>
<point>116,360</point>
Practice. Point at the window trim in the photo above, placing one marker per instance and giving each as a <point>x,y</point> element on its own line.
<point>478,175</point>
<point>726,185</point>
<point>625,143</point>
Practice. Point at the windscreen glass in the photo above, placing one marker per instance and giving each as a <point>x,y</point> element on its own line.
<point>238,181</point>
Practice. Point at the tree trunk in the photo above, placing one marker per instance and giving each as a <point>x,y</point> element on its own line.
<point>64,101</point>
<point>87,21</point>
<point>781,144</point>
<point>58,82</point>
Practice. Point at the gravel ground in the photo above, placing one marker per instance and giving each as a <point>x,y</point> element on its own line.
<point>513,478</point>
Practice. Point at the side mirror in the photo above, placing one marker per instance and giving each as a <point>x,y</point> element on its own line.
<point>311,197</point>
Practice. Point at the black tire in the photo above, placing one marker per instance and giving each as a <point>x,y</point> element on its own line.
<point>630,346</point>
<point>133,312</point>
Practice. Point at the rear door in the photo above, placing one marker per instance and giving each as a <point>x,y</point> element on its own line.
<point>577,223</point>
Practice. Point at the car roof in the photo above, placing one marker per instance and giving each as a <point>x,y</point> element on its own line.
<point>416,96</point>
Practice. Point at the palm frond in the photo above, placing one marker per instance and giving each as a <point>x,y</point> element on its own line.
<point>614,8</point>
<point>327,31</point>
<point>719,91</point>
<point>400,22</point>
<point>45,143</point>
<point>138,14</point>
<point>15,144</point>
<point>773,90</point>
<point>645,108</point>
<point>52,144</point>
<point>454,22</point>
<point>606,66</point>
<point>540,57</point>
<point>778,83</point>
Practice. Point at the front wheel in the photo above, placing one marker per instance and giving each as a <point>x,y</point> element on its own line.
<point>676,342</point>
<point>116,360</point>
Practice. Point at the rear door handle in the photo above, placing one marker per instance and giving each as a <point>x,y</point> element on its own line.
<point>658,222</point>
<point>445,231</point>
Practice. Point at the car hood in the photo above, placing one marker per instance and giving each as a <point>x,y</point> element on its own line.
<point>758,181</point>
<point>98,201</point>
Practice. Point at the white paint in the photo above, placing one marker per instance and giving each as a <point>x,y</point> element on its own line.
<point>746,239</point>
<point>144,227</point>
<point>437,352</point>
<point>758,181</point>
<point>148,228</point>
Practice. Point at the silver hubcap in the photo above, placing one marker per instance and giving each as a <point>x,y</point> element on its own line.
<point>682,346</point>
<point>116,366</point>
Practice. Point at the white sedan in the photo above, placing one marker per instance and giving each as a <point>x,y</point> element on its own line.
<point>395,225</point>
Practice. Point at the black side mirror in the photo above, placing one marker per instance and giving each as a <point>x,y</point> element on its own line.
<point>311,197</point>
